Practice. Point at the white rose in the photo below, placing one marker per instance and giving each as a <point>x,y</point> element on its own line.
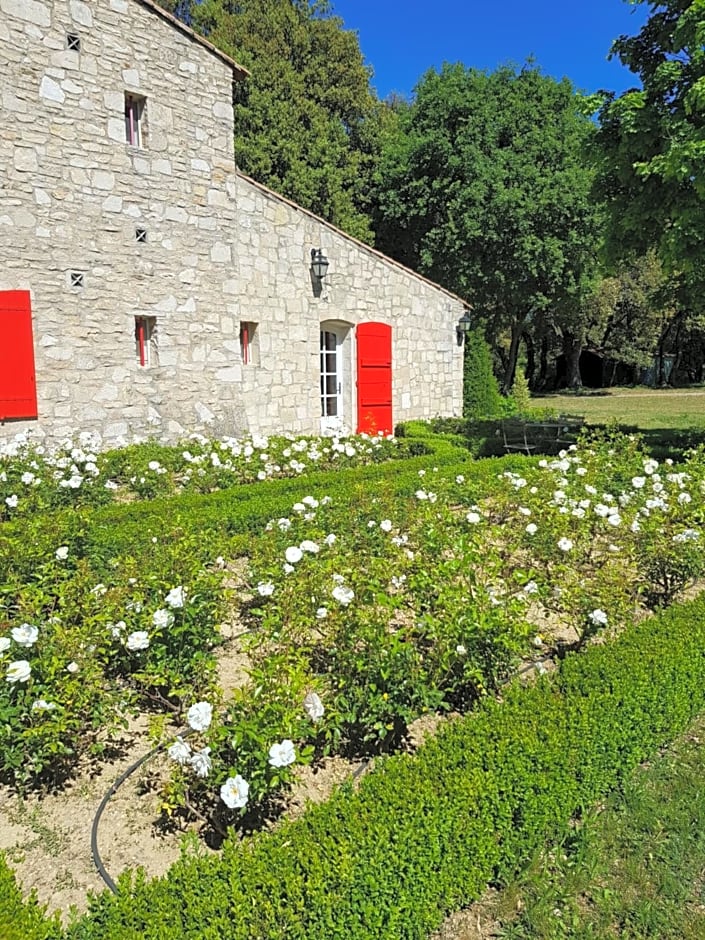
<point>282,754</point>
<point>139,640</point>
<point>26,635</point>
<point>199,716</point>
<point>18,671</point>
<point>313,706</point>
<point>234,792</point>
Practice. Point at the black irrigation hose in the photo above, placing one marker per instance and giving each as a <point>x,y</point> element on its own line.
<point>98,861</point>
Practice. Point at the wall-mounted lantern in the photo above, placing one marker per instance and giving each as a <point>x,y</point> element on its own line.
<point>463,327</point>
<point>319,263</point>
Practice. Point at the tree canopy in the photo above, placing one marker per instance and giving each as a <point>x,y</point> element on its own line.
<point>653,140</point>
<point>485,188</point>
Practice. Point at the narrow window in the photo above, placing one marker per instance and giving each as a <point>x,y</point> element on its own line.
<point>76,279</point>
<point>73,42</point>
<point>134,120</point>
<point>141,235</point>
<point>249,352</point>
<point>146,341</point>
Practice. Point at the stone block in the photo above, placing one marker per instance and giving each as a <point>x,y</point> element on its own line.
<point>29,11</point>
<point>51,90</point>
<point>25,159</point>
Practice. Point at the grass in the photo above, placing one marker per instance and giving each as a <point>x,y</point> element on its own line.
<point>634,868</point>
<point>670,420</point>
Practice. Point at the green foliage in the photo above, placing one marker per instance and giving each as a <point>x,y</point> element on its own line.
<point>520,392</point>
<point>486,189</point>
<point>481,397</point>
<point>651,141</point>
<point>632,310</point>
<point>23,919</point>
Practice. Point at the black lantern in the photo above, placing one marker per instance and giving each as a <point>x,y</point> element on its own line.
<point>463,327</point>
<point>319,263</point>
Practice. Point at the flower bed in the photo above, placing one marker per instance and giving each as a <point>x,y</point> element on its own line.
<point>33,478</point>
<point>470,807</point>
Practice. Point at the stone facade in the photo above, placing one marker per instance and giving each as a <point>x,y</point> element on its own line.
<point>215,250</point>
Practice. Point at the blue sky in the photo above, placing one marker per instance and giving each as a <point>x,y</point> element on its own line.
<point>401,40</point>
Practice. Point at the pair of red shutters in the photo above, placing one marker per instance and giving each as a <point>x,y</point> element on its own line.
<point>18,386</point>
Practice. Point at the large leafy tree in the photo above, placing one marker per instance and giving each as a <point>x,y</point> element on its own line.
<point>307,123</point>
<point>485,188</point>
<point>653,140</point>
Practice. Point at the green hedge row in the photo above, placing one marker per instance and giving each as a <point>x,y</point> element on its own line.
<point>214,518</point>
<point>424,834</point>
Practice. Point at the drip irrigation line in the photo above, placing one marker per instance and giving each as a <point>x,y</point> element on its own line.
<point>95,852</point>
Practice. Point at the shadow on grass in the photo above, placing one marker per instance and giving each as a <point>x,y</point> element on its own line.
<point>667,442</point>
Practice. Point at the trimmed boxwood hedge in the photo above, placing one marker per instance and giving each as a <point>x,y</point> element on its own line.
<point>218,519</point>
<point>424,834</point>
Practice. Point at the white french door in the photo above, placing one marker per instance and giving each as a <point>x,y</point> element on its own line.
<point>331,380</point>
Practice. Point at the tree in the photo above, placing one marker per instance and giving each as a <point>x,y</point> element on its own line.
<point>306,121</point>
<point>653,141</point>
<point>485,189</point>
<point>634,312</point>
<point>481,397</point>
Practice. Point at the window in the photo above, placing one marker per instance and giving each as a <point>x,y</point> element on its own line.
<point>18,389</point>
<point>249,352</point>
<point>76,279</point>
<point>134,120</point>
<point>141,235</point>
<point>146,341</point>
<point>73,42</point>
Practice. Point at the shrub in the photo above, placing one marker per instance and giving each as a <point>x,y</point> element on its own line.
<point>23,919</point>
<point>521,395</point>
<point>481,395</point>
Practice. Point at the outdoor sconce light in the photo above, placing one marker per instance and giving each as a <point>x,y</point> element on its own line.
<point>319,263</point>
<point>463,327</point>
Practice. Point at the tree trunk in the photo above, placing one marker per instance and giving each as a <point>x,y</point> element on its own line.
<point>572,347</point>
<point>543,367</point>
<point>530,358</point>
<point>512,356</point>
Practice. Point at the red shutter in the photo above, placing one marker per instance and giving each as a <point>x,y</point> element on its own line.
<point>18,390</point>
<point>374,378</point>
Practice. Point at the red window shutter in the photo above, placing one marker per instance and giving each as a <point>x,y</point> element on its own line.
<point>374,378</point>
<point>18,387</point>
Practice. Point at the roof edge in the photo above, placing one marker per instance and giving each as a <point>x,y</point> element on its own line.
<point>240,72</point>
<point>355,241</point>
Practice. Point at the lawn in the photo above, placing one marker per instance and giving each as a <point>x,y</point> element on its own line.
<point>643,408</point>
<point>670,420</point>
<point>632,869</point>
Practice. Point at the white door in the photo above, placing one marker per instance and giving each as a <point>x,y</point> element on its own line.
<point>331,381</point>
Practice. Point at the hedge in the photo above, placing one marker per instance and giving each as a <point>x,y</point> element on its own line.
<point>216,519</point>
<point>424,834</point>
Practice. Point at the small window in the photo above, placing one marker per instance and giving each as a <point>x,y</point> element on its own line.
<point>76,279</point>
<point>248,344</point>
<point>134,120</point>
<point>73,42</point>
<point>141,235</point>
<point>146,341</point>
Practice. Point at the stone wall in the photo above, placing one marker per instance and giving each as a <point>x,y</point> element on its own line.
<point>219,249</point>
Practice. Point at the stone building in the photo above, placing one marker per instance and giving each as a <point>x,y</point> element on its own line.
<point>149,289</point>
